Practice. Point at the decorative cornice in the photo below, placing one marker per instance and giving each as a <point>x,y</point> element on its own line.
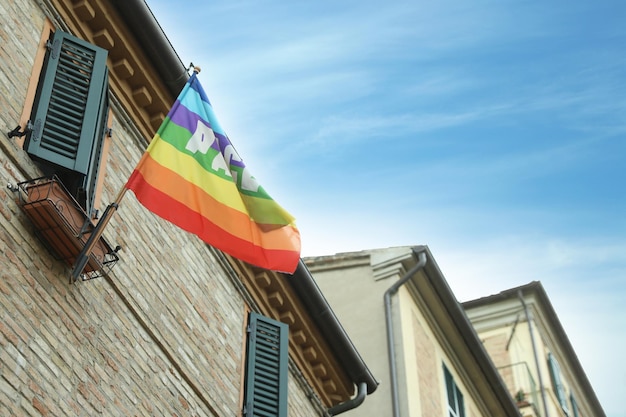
<point>390,267</point>
<point>338,261</point>
<point>388,263</point>
<point>313,356</point>
<point>132,79</point>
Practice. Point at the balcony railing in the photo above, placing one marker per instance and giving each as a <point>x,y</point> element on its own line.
<point>525,391</point>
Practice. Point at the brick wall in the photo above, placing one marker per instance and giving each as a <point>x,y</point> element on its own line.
<point>430,371</point>
<point>496,346</point>
<point>162,335</point>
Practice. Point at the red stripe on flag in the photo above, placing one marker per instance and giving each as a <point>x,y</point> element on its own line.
<point>228,218</point>
<point>184,217</point>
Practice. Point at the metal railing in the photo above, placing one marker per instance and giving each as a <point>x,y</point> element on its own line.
<point>524,390</point>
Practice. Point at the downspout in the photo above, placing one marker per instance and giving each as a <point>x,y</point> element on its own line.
<point>532,341</point>
<point>390,335</point>
<point>311,296</point>
<point>352,403</point>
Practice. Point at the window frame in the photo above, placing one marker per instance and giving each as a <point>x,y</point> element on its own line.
<point>91,203</point>
<point>454,396</point>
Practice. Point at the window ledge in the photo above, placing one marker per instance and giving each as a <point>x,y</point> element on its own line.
<point>62,225</point>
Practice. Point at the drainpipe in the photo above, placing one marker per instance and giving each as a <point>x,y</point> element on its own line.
<point>532,341</point>
<point>390,336</point>
<point>350,404</point>
<point>314,301</point>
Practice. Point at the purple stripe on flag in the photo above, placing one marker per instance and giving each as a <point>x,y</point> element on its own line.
<point>188,119</point>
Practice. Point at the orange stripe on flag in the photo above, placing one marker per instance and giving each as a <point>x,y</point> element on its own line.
<point>162,205</point>
<point>197,200</point>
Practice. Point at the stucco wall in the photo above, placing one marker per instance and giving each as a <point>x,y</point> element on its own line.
<point>357,300</point>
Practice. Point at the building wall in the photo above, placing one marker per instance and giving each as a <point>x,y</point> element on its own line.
<point>427,370</point>
<point>356,299</point>
<point>162,335</point>
<point>505,332</point>
<point>425,353</point>
<point>354,285</point>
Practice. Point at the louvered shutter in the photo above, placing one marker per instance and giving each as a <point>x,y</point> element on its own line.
<point>557,384</point>
<point>69,115</point>
<point>90,181</point>
<point>575,410</point>
<point>266,368</point>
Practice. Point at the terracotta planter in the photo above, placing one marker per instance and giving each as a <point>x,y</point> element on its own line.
<point>62,224</point>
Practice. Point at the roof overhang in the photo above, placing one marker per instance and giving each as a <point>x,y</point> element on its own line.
<point>450,317</point>
<point>535,292</point>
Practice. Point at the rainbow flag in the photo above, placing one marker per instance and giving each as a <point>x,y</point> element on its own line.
<point>192,176</point>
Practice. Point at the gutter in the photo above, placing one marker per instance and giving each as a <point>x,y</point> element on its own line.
<point>395,401</point>
<point>472,341</point>
<point>139,19</point>
<point>141,22</point>
<point>314,301</point>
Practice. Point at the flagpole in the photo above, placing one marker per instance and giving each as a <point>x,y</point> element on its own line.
<point>83,256</point>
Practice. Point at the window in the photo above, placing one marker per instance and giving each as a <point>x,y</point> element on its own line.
<point>68,122</point>
<point>265,386</point>
<point>65,123</point>
<point>455,398</point>
<point>557,383</point>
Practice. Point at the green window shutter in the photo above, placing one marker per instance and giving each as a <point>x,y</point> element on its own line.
<point>460,402</point>
<point>575,411</point>
<point>69,115</point>
<point>557,384</point>
<point>100,115</point>
<point>266,368</point>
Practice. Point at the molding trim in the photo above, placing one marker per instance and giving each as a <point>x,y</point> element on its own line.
<point>133,80</point>
<point>313,356</point>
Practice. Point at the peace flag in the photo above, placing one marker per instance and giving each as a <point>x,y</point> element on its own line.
<point>192,176</point>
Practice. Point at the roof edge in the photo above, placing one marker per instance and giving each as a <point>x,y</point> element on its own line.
<point>314,301</point>
<point>144,26</point>
<point>467,332</point>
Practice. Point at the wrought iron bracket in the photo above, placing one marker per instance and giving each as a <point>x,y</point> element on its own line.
<point>84,227</point>
<point>16,132</point>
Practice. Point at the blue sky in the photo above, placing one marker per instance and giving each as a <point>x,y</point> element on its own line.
<point>492,131</point>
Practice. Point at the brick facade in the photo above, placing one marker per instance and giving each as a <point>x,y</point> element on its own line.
<point>429,371</point>
<point>496,346</point>
<point>163,334</point>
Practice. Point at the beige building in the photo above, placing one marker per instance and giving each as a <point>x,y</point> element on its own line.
<point>415,336</point>
<point>160,324</point>
<point>523,335</point>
